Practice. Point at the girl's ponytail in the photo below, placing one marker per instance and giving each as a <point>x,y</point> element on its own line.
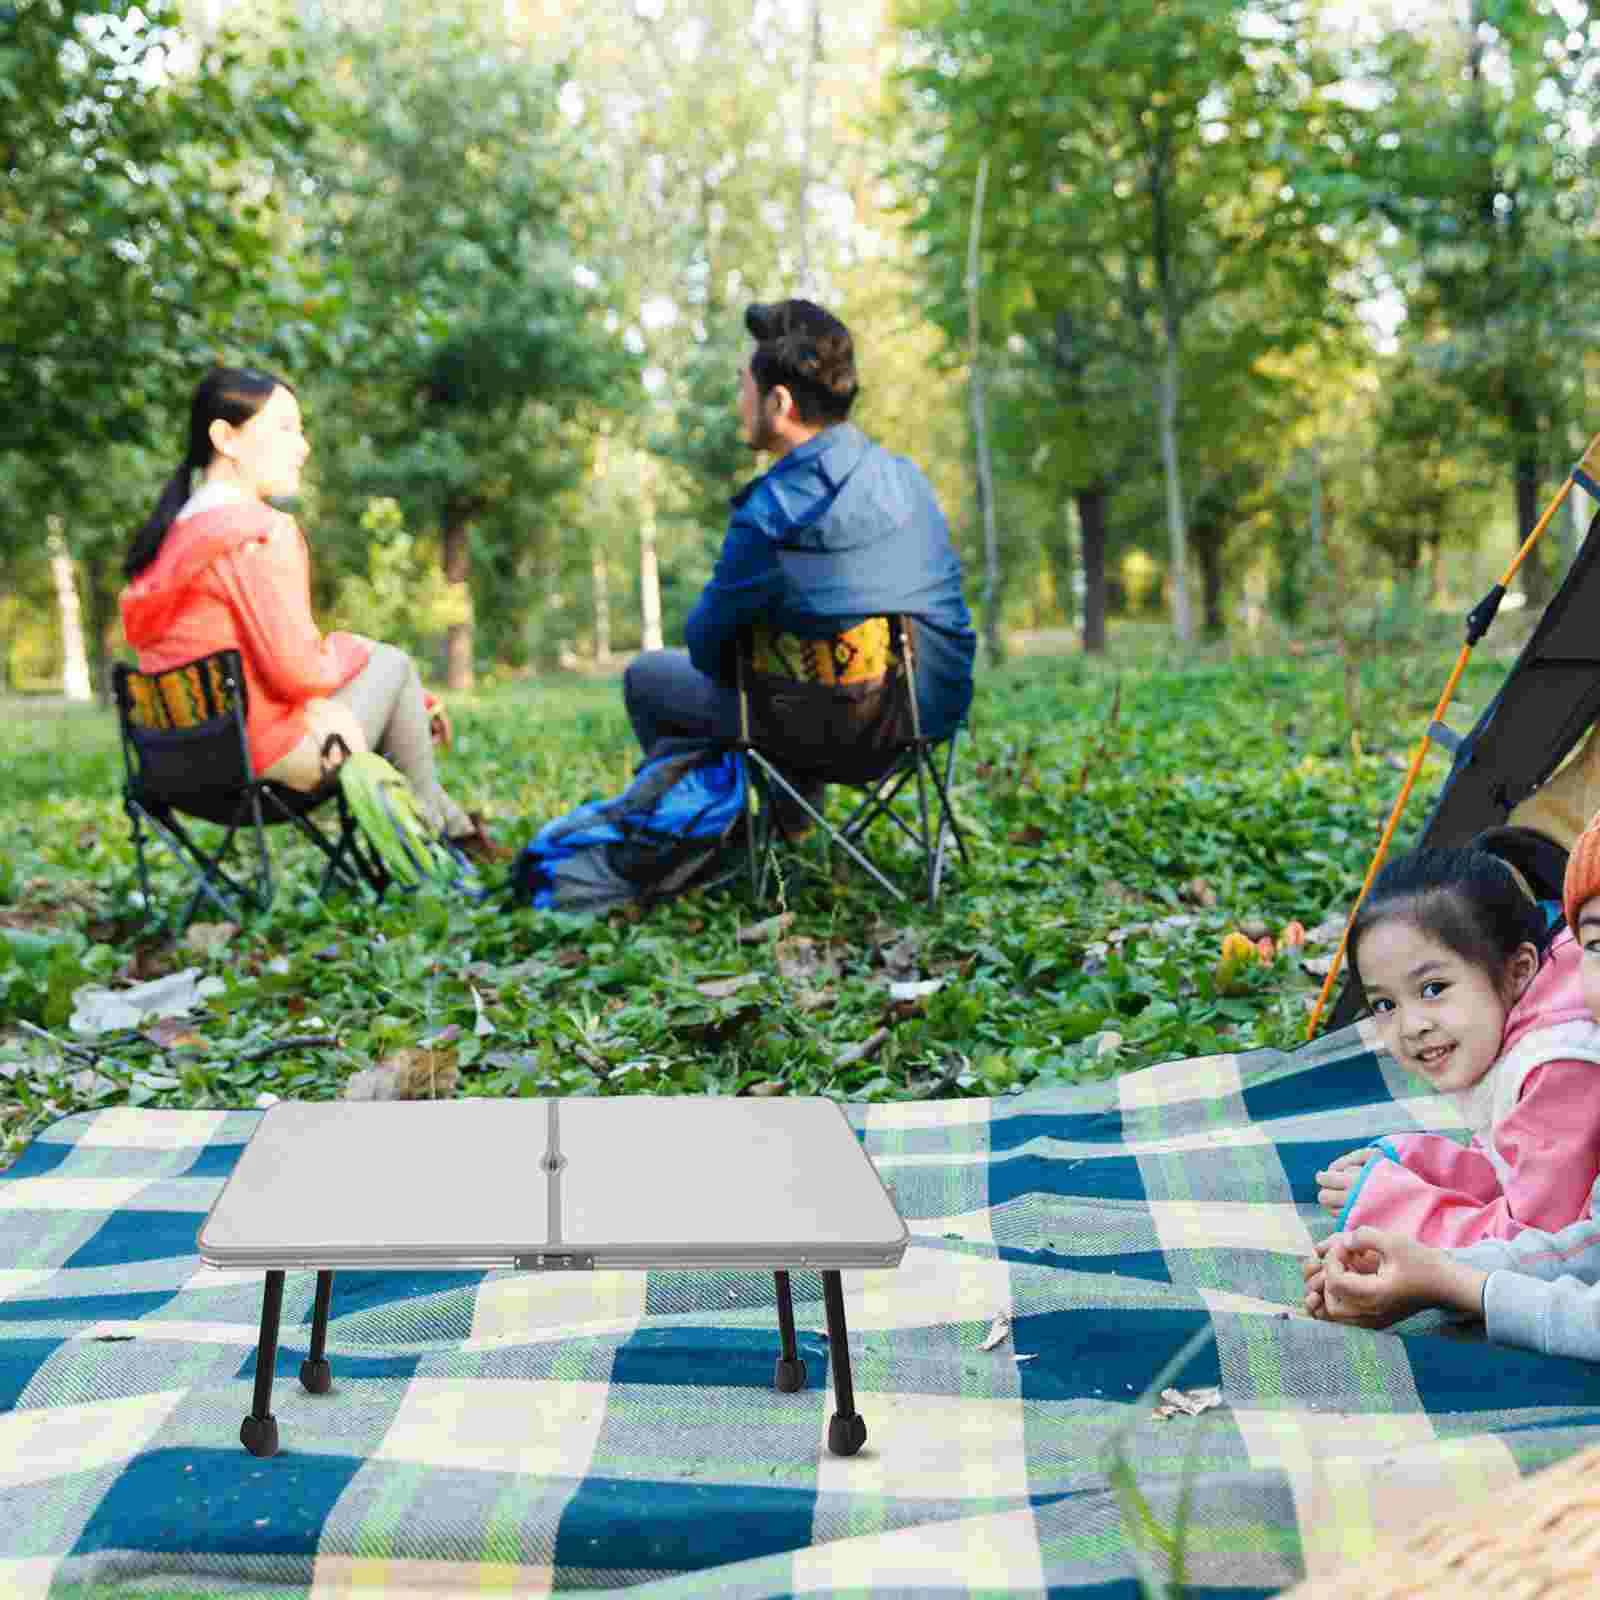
<point>231,394</point>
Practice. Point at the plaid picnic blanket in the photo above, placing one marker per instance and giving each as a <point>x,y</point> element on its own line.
<point>518,1433</point>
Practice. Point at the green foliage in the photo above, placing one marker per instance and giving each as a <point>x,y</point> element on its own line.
<point>402,597</point>
<point>1076,947</point>
<point>140,220</point>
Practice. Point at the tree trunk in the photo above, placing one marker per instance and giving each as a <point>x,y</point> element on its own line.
<point>602,599</point>
<point>458,675</point>
<point>1534,573</point>
<point>74,658</point>
<point>103,626</point>
<point>649,573</point>
<point>1092,524</point>
<point>1177,533</point>
<point>980,431</point>
<point>1208,551</point>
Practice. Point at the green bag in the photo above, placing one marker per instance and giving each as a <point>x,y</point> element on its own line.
<point>385,808</point>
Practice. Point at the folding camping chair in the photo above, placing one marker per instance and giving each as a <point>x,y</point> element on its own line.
<point>184,754</point>
<point>843,710</point>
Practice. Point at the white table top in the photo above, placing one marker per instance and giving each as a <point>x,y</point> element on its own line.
<point>703,1181</point>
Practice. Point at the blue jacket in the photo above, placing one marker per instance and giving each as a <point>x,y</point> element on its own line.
<point>839,530</point>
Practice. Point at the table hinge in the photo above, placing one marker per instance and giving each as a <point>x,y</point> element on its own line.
<point>555,1261</point>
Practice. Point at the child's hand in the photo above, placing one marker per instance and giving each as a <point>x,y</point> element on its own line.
<point>1335,1183</point>
<point>1313,1272</point>
<point>1373,1277</point>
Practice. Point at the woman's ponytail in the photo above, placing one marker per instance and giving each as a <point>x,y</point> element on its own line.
<point>147,541</point>
<point>231,394</point>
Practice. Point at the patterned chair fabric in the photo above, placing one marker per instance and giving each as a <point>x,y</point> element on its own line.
<point>835,707</point>
<point>185,754</point>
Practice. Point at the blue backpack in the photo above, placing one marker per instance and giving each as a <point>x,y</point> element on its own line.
<point>663,834</point>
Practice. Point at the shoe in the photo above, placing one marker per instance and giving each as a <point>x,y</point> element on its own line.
<point>478,847</point>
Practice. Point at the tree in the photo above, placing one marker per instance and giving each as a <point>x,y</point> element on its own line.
<point>1148,164</point>
<point>1477,156</point>
<point>470,337</point>
<point>138,217</point>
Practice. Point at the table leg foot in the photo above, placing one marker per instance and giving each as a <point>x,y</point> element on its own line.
<point>791,1374</point>
<point>790,1377</point>
<point>846,1434</point>
<point>316,1376</point>
<point>259,1435</point>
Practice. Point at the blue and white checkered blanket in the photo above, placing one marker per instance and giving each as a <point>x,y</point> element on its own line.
<point>503,1432</point>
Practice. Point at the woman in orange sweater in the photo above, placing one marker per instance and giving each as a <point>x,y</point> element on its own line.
<point>220,569</point>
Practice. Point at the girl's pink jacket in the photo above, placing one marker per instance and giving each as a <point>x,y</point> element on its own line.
<point>1535,1121</point>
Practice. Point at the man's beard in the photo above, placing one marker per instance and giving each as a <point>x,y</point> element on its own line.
<point>761,438</point>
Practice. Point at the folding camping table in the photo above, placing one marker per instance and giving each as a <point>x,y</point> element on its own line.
<point>570,1185</point>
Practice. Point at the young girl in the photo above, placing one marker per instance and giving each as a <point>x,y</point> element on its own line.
<point>215,567</point>
<point>1540,1290</point>
<point>1448,951</point>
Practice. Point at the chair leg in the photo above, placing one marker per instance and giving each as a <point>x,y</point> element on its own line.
<point>141,867</point>
<point>209,878</point>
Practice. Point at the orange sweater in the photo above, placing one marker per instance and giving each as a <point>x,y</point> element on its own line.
<point>239,577</point>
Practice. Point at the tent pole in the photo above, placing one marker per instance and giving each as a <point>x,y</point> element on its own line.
<point>1478,621</point>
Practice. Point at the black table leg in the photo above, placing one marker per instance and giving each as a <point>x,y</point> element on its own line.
<point>258,1433</point>
<point>791,1373</point>
<point>315,1373</point>
<point>847,1432</point>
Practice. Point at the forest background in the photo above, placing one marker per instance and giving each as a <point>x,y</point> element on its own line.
<point>1264,319</point>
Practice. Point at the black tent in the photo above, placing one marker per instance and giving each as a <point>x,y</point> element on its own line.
<point>1550,699</point>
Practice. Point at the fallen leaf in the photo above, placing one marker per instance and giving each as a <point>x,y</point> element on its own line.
<point>210,937</point>
<point>410,1074</point>
<point>859,1052</point>
<point>811,999</point>
<point>765,1089</point>
<point>918,989</point>
<point>899,953</point>
<point>1188,1402</point>
<point>169,1031</point>
<point>1030,835</point>
<point>483,1027</point>
<point>721,988</point>
<point>999,1331</point>
<point>1198,892</point>
<point>768,928</point>
<point>800,958</point>
<point>569,958</point>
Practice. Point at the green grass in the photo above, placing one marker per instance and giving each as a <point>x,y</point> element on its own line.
<point>1072,926</point>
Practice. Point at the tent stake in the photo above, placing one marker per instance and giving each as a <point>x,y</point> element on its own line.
<point>1478,621</point>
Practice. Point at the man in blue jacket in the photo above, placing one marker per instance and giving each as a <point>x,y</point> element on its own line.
<point>835,531</point>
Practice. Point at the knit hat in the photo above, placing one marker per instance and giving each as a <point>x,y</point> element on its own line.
<point>1582,882</point>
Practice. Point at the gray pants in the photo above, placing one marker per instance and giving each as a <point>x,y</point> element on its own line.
<point>379,709</point>
<point>667,695</point>
<point>385,698</point>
